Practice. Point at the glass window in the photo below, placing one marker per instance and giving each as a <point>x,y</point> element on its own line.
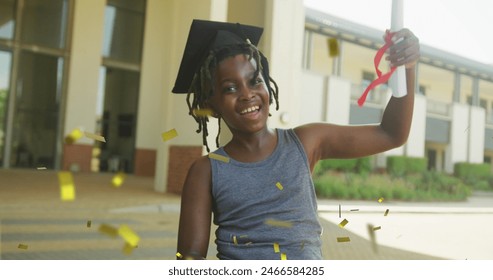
<point>44,23</point>
<point>123,30</point>
<point>320,61</point>
<point>34,134</point>
<point>5,60</point>
<point>119,119</point>
<point>7,14</point>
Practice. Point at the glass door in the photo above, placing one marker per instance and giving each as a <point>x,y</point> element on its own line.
<point>37,100</point>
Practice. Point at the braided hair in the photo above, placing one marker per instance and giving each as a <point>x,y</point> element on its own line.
<point>201,88</point>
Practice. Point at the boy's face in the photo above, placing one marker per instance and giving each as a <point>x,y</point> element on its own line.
<point>241,99</point>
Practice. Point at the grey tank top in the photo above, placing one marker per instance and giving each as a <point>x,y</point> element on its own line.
<point>266,209</point>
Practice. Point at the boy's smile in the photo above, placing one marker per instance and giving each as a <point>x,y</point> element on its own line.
<point>241,99</point>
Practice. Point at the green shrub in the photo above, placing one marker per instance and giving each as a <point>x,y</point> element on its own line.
<point>482,185</point>
<point>357,165</point>
<point>317,169</point>
<point>363,165</point>
<point>472,172</point>
<point>425,186</point>
<point>396,165</point>
<point>399,166</point>
<point>344,165</point>
<point>331,187</point>
<point>416,165</point>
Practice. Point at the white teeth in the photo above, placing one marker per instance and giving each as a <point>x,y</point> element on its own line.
<point>248,110</point>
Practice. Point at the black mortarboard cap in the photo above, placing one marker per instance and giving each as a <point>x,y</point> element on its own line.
<point>205,36</point>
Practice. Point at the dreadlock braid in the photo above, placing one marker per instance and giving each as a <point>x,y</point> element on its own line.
<point>201,88</point>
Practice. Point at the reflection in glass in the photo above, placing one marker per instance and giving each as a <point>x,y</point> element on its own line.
<point>34,134</point>
<point>5,60</point>
<point>7,13</point>
<point>123,30</point>
<point>118,122</point>
<point>44,23</point>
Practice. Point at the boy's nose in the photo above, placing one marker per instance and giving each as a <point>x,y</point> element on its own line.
<point>247,93</point>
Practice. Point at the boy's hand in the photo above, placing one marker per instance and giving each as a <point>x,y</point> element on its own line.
<point>404,50</point>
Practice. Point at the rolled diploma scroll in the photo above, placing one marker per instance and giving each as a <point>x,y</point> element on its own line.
<point>398,79</point>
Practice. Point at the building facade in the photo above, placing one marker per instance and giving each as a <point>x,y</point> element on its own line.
<point>108,66</point>
<point>454,95</point>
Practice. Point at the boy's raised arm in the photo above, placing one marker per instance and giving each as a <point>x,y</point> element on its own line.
<point>323,140</point>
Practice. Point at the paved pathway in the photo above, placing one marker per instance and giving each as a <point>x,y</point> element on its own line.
<point>31,213</point>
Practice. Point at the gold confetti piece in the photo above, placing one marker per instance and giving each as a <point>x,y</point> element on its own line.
<point>168,135</point>
<point>94,137</point>
<point>283,256</point>
<point>278,223</point>
<point>380,200</point>
<point>377,228</point>
<point>219,157</point>
<point>343,239</point>
<point>22,246</point>
<point>89,223</point>
<point>128,235</point>
<point>128,249</point>
<point>67,188</point>
<point>302,245</point>
<point>118,179</point>
<point>343,223</point>
<point>249,243</point>
<point>75,135</point>
<point>108,230</point>
<point>41,168</point>
<point>235,241</point>
<point>279,186</point>
<point>354,210</point>
<point>203,112</point>
<point>276,248</point>
<point>179,255</point>
<point>333,47</point>
<point>386,212</point>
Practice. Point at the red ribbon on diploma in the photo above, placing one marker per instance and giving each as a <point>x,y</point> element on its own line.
<point>381,78</point>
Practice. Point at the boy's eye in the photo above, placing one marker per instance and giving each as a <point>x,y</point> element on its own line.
<point>229,89</point>
<point>257,81</point>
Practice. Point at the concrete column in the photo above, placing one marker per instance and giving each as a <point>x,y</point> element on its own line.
<point>456,97</point>
<point>338,59</point>
<point>475,92</point>
<point>283,45</point>
<point>152,88</point>
<point>457,149</point>
<point>415,145</point>
<point>85,62</point>
<point>338,100</point>
<point>177,16</point>
<point>314,98</point>
<point>476,134</point>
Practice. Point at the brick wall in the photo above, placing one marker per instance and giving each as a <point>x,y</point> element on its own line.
<point>77,155</point>
<point>145,162</point>
<point>180,160</point>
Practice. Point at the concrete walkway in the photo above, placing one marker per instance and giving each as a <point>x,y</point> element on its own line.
<point>452,230</point>
<point>32,214</point>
